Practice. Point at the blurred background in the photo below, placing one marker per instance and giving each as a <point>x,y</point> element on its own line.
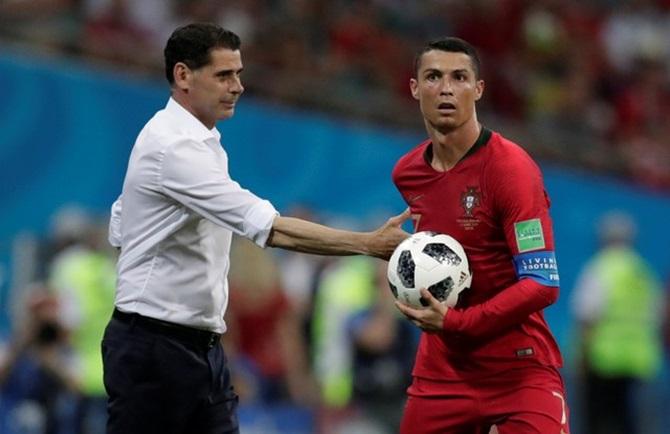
<point>315,343</point>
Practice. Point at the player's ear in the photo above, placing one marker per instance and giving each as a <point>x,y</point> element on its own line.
<point>414,88</point>
<point>479,89</point>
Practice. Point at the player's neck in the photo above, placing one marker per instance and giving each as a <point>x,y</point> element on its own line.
<point>449,146</point>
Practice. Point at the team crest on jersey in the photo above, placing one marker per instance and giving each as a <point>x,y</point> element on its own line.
<point>470,199</point>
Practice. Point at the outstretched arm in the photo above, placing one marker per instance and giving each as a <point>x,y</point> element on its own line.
<point>308,237</point>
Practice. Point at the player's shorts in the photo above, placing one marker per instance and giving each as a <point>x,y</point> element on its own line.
<point>519,401</point>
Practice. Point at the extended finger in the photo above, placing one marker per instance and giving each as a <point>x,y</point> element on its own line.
<point>403,307</point>
<point>432,301</point>
<point>400,218</point>
<point>410,313</point>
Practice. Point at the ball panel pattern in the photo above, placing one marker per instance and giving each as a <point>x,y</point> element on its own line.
<point>406,269</point>
<point>394,290</point>
<point>442,289</point>
<point>442,253</point>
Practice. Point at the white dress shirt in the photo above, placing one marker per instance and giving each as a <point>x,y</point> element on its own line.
<point>174,222</point>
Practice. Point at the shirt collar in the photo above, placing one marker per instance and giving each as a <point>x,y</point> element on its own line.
<point>191,123</point>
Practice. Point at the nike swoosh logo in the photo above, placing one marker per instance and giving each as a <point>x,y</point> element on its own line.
<point>415,198</point>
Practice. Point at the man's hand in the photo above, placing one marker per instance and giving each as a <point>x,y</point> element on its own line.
<point>383,241</point>
<point>428,319</point>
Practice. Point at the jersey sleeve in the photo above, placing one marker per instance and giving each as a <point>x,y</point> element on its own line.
<point>522,209</point>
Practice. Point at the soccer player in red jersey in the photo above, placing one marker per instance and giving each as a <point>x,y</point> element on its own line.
<point>490,360</point>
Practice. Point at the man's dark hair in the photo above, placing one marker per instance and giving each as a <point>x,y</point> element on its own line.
<point>451,45</point>
<point>191,44</point>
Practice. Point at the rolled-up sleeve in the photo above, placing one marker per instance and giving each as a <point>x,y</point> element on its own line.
<point>197,176</point>
<point>114,235</point>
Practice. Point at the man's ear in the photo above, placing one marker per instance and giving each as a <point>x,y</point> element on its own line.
<point>182,76</point>
<point>414,88</point>
<point>479,88</point>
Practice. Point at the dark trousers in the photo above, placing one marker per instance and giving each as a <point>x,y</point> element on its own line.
<point>166,379</point>
<point>609,406</point>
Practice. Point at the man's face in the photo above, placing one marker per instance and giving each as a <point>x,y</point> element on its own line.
<point>214,88</point>
<point>446,88</point>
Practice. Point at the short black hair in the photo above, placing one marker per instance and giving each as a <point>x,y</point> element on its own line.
<point>450,44</point>
<point>191,44</point>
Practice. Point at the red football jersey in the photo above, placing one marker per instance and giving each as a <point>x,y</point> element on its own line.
<point>494,203</point>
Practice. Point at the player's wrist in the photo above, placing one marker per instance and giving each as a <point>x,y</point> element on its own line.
<point>368,245</point>
<point>451,320</point>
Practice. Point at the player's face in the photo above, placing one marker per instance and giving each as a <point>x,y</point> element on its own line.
<point>214,88</point>
<point>447,89</point>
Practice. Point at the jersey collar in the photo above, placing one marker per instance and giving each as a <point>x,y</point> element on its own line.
<point>484,137</point>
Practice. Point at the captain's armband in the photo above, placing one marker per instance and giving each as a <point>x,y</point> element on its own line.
<point>539,265</point>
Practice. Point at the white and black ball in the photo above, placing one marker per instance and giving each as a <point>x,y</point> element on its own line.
<point>429,260</point>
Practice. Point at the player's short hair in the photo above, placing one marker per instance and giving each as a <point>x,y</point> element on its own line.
<point>450,44</point>
<point>191,44</point>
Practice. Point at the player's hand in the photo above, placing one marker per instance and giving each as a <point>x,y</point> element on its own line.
<point>428,319</point>
<point>385,239</point>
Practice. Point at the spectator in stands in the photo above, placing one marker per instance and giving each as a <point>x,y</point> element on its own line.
<point>111,34</point>
<point>52,24</point>
<point>83,276</point>
<point>38,385</point>
<point>333,50</point>
<point>264,339</point>
<point>384,344</point>
<point>616,302</point>
<point>364,349</point>
<point>641,119</point>
<point>300,276</point>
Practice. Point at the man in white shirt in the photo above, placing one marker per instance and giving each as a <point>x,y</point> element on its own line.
<point>165,370</point>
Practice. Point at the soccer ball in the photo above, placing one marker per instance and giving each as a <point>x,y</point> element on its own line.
<point>428,260</point>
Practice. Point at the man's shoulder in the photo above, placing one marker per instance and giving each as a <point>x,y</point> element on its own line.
<point>161,123</point>
<point>502,144</point>
<point>507,154</point>
<point>411,158</point>
<point>162,131</point>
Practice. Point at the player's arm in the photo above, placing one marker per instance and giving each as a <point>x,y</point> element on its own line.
<point>511,306</point>
<point>508,308</point>
<point>308,237</point>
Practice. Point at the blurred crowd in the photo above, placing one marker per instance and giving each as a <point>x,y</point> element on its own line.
<point>580,82</point>
<point>50,363</point>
